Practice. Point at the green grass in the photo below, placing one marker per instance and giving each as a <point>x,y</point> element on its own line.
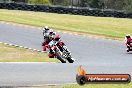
<point>101,26</point>
<point>99,86</point>
<point>13,54</point>
<point>87,86</point>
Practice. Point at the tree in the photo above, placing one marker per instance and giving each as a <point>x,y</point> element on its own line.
<point>95,4</point>
<point>113,4</point>
<point>66,2</point>
<point>128,6</point>
<point>84,3</point>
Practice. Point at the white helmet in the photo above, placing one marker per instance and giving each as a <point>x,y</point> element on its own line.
<point>50,30</point>
<point>46,27</point>
<point>128,35</point>
<point>54,33</point>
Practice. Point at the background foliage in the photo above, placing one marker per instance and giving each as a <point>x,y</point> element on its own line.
<point>102,4</point>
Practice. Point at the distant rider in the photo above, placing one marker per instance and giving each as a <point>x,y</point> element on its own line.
<point>45,31</point>
<point>128,40</point>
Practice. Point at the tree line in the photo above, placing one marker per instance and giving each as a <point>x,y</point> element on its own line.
<point>101,4</point>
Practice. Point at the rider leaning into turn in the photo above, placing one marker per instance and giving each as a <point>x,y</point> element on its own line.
<point>58,42</point>
<point>56,47</point>
<point>55,42</point>
<point>128,41</point>
<point>45,31</point>
<point>51,40</point>
<point>48,36</point>
<point>48,32</point>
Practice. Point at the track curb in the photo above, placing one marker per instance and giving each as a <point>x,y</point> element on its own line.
<point>35,50</point>
<point>17,46</point>
<point>9,44</point>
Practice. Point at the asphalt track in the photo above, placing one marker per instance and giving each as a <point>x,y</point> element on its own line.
<point>96,56</point>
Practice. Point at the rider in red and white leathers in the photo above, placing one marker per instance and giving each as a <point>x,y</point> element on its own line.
<point>128,41</point>
<point>48,38</point>
<point>52,45</point>
<point>45,31</point>
<point>58,42</point>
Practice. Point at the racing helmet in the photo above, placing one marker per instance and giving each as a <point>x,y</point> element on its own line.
<point>54,33</point>
<point>46,28</point>
<point>56,38</point>
<point>50,31</point>
<point>128,36</point>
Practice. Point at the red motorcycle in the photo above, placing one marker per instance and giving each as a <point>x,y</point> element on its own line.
<point>61,52</point>
<point>129,47</point>
<point>128,44</point>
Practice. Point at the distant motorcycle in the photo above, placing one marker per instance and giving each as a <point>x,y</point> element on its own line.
<point>129,47</point>
<point>128,43</point>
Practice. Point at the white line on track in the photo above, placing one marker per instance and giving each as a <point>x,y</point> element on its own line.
<point>76,34</point>
<point>25,48</point>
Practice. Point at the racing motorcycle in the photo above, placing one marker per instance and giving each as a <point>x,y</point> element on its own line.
<point>59,51</point>
<point>63,54</point>
<point>128,43</point>
<point>129,47</point>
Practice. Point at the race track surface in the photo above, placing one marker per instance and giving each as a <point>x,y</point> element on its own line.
<point>96,56</point>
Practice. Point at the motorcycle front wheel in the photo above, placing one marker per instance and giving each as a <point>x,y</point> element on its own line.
<point>70,60</point>
<point>58,56</point>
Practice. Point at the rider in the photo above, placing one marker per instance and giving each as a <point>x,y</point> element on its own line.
<point>52,45</point>
<point>58,42</point>
<point>51,34</point>
<point>51,49</point>
<point>45,31</point>
<point>128,40</point>
<point>49,37</point>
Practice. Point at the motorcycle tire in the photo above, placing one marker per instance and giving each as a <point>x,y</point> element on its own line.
<point>60,58</point>
<point>70,60</point>
<point>128,49</point>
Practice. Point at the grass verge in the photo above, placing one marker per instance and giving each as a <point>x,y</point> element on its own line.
<point>86,86</point>
<point>13,54</point>
<point>100,26</point>
<point>99,86</point>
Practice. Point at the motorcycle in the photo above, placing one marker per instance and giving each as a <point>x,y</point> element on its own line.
<point>55,50</point>
<point>129,47</point>
<point>63,54</point>
<point>128,43</point>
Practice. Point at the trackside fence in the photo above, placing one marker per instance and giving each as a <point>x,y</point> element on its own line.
<point>66,10</point>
